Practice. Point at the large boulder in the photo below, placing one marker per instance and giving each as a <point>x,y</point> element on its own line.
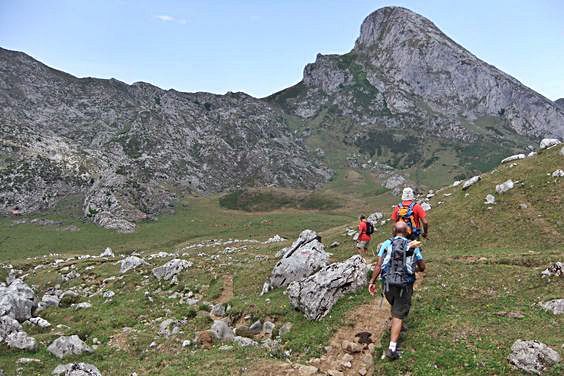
<point>171,269</point>
<point>548,142</point>
<point>317,294</point>
<point>65,346</point>
<point>17,300</point>
<point>130,262</point>
<point>303,258</point>
<point>76,369</point>
<point>532,356</point>
<point>222,331</point>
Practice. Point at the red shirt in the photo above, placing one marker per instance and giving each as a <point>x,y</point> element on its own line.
<point>418,212</point>
<point>363,237</point>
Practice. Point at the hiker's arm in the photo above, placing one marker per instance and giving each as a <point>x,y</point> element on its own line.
<point>421,265</point>
<point>376,271</point>
<point>425,227</point>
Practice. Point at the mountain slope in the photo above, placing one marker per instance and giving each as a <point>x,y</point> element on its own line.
<point>129,148</point>
<point>405,82</point>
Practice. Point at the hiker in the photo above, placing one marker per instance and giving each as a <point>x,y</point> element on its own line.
<point>398,259</point>
<point>412,214</point>
<point>365,231</point>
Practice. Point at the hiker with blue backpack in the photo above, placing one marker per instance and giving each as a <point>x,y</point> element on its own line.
<point>398,259</point>
<point>413,214</point>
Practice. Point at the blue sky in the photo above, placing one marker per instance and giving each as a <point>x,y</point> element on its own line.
<point>261,46</point>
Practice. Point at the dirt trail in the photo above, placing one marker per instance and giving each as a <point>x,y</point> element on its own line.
<point>227,291</point>
<point>340,359</point>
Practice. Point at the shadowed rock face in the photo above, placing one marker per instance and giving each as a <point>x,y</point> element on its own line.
<point>131,148</point>
<point>403,72</point>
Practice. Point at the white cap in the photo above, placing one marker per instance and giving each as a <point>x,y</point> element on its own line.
<point>407,194</point>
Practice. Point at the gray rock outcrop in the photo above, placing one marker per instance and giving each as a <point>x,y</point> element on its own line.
<point>303,258</point>
<point>490,199</point>
<point>171,269</point>
<point>76,369</point>
<point>17,300</point>
<point>548,142</point>
<point>532,356</point>
<point>512,158</point>
<point>318,293</point>
<point>21,340</point>
<point>65,346</point>
<point>222,331</point>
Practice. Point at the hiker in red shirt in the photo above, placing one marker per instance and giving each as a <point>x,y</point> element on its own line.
<point>411,213</point>
<point>365,230</point>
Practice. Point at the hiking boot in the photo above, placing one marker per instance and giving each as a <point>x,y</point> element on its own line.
<point>392,355</point>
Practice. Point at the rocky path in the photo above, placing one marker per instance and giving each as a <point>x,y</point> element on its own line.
<point>350,350</point>
<point>227,291</point>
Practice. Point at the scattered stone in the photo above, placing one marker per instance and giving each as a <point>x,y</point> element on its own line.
<point>470,182</point>
<point>28,361</point>
<point>303,258</point>
<point>426,206</point>
<point>351,347</point>
<point>130,262</point>
<point>244,341</point>
<point>554,270</point>
<point>76,369</point>
<point>17,300</point>
<point>375,217</point>
<point>555,306</point>
<point>364,338</point>
<point>490,199</point>
<point>222,331</point>
<point>153,345</point>
<point>511,315</point>
<point>456,183</point>
<point>562,151</point>
<point>256,327</point>
<point>505,186</point>
<point>83,305</point>
<point>558,174</point>
<point>335,244</point>
<point>304,370</point>
<point>532,356</point>
<point>285,329</point>
<point>107,253</point>
<point>108,294</point>
<point>21,340</point>
<point>40,322</point>
<point>316,295</point>
<point>513,158</point>
<point>334,372</point>
<point>171,269</point>
<point>65,346</point>
<point>218,310</point>
<point>548,142</point>
<point>186,343</point>
<point>169,327</point>
<point>523,206</point>
<point>268,327</point>
<point>362,371</point>
<point>275,239</point>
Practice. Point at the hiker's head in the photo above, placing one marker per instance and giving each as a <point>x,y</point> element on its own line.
<point>407,194</point>
<point>362,217</point>
<point>400,229</point>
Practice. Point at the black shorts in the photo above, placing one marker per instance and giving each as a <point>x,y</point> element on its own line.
<point>400,300</point>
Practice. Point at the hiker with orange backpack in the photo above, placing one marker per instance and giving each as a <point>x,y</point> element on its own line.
<point>412,214</point>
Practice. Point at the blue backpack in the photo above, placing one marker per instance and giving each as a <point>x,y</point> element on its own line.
<point>398,267</point>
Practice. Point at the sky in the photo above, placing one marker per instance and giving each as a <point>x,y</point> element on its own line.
<point>262,46</point>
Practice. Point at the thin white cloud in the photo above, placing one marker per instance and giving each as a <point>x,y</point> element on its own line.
<point>167,18</point>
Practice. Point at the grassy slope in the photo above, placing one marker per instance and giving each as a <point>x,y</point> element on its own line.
<point>483,261</point>
<point>454,329</point>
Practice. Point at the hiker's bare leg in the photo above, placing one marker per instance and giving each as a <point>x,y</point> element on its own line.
<point>396,329</point>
